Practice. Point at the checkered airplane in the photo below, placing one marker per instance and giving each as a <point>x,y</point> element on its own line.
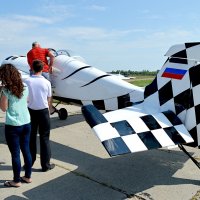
<point>165,113</point>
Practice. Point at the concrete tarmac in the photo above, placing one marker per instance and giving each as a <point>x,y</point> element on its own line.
<point>84,170</point>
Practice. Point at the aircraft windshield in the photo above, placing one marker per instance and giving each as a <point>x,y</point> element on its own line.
<point>70,54</point>
<point>67,53</point>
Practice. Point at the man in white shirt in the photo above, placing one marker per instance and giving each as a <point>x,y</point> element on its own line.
<point>38,103</point>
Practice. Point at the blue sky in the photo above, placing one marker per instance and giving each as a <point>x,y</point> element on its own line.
<point>108,34</point>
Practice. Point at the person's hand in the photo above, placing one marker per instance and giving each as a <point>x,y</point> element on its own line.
<point>50,70</point>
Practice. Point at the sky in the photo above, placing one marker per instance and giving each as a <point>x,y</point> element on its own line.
<point>108,34</point>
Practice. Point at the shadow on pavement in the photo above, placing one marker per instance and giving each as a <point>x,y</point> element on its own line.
<point>73,119</point>
<point>119,177</point>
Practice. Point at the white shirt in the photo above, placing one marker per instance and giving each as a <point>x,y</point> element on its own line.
<point>39,91</point>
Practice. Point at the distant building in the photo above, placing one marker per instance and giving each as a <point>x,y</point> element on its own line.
<point>120,76</point>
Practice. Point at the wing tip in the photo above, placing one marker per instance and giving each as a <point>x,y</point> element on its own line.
<point>92,115</point>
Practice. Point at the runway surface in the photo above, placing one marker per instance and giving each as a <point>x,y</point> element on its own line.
<point>84,170</point>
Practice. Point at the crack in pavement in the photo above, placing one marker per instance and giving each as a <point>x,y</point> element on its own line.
<point>101,183</point>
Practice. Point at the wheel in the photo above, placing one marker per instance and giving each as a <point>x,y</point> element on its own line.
<point>63,114</point>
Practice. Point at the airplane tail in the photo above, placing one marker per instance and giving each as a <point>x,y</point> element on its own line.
<point>169,114</point>
<point>177,85</point>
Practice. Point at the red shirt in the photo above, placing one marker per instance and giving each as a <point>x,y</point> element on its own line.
<point>38,53</point>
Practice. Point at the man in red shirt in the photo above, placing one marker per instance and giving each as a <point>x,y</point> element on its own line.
<point>38,53</point>
<point>42,54</point>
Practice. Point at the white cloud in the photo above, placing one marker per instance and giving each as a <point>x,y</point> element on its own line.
<point>33,19</point>
<point>96,8</point>
<point>58,11</point>
<point>95,33</point>
<point>90,33</point>
<point>12,28</point>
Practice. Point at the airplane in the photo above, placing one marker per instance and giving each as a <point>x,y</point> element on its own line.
<point>163,114</point>
<point>74,81</point>
<point>168,115</point>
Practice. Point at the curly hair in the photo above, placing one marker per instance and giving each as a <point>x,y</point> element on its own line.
<point>11,79</point>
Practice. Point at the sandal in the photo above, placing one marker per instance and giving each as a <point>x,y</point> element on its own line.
<point>11,184</point>
<point>25,180</point>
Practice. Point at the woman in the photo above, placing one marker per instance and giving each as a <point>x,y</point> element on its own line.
<point>17,125</point>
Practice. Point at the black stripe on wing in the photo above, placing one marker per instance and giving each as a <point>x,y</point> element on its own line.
<point>96,79</point>
<point>13,57</point>
<point>8,57</point>
<point>76,71</point>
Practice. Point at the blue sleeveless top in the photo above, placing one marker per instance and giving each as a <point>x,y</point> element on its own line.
<point>17,113</point>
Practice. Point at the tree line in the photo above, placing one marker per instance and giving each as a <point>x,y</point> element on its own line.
<point>132,73</point>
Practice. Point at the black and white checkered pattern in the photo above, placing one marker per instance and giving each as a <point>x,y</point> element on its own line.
<point>149,124</point>
<point>134,134</point>
<point>180,96</point>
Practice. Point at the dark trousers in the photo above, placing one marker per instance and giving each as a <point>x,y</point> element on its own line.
<point>40,122</point>
<point>18,137</point>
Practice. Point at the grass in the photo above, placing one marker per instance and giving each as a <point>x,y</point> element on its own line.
<point>142,81</point>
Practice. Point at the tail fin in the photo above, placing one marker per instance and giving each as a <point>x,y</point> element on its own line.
<point>177,85</point>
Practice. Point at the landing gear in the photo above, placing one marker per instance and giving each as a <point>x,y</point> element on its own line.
<point>62,112</point>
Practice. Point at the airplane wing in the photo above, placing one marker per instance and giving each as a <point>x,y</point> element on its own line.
<point>131,130</point>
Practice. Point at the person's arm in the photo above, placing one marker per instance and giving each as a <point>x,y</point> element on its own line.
<point>51,56</point>
<point>49,101</point>
<point>3,103</point>
<point>29,60</point>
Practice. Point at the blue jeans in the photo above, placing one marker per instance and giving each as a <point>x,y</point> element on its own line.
<point>40,122</point>
<point>18,137</point>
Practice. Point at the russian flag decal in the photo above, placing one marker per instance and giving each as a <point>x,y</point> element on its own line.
<point>174,73</point>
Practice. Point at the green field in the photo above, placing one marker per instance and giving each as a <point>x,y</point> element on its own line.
<point>141,81</point>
